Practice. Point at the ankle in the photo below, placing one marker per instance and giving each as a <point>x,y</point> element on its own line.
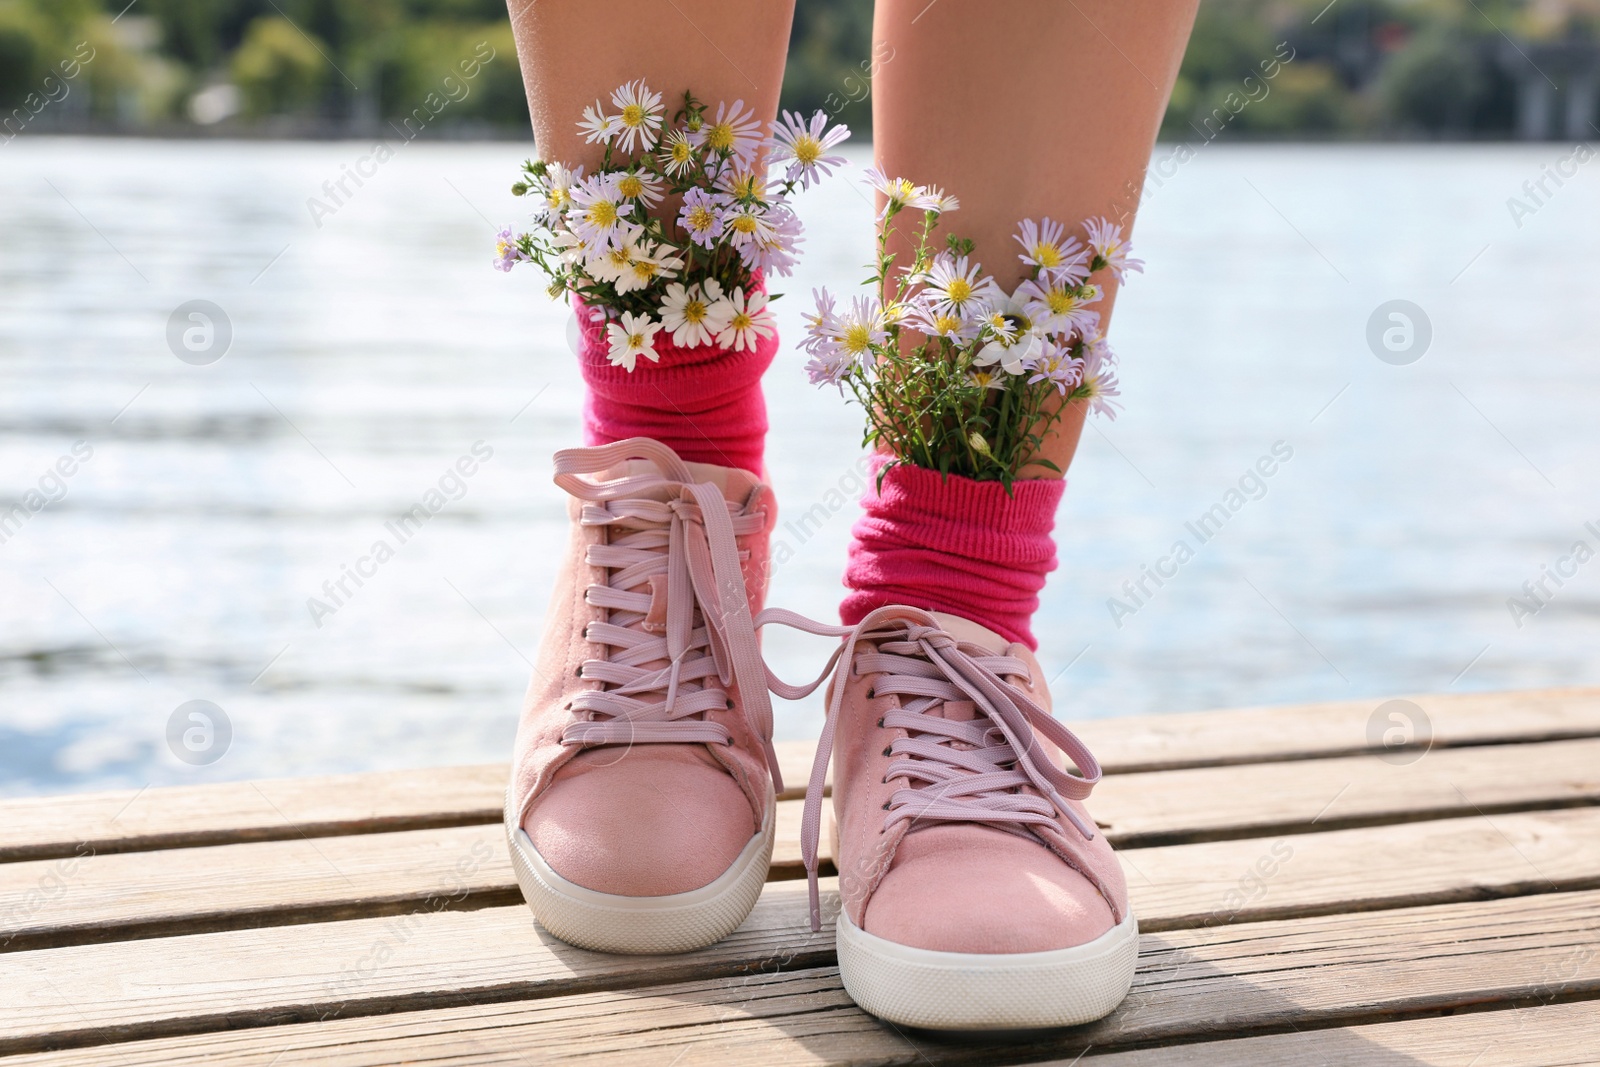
<point>953,545</point>
<point>704,402</point>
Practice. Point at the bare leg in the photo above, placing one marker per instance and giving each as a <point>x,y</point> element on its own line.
<point>574,52</point>
<point>1027,109</point>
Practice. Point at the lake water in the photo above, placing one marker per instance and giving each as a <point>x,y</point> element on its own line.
<point>370,352</point>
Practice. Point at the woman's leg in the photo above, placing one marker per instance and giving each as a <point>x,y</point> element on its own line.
<point>976,890</point>
<point>574,53</point>
<point>639,773</point>
<point>705,404</point>
<point>1037,108</point>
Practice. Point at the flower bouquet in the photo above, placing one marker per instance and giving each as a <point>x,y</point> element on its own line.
<point>679,226</point>
<point>956,375</point>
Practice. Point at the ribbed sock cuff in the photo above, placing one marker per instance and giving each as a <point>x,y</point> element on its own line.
<point>705,403</point>
<point>953,545</point>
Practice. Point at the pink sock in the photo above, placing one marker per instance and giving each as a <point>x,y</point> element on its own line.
<point>956,545</point>
<point>704,403</point>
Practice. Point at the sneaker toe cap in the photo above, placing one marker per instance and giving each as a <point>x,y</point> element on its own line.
<point>643,826</point>
<point>985,893</point>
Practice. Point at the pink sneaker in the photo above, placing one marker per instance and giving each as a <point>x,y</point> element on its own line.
<point>976,892</point>
<point>641,806</point>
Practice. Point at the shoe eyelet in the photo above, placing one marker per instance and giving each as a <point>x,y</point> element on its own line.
<point>886,751</point>
<point>579,672</point>
<point>880,720</point>
<point>872,694</point>
<point>730,705</point>
<point>885,805</point>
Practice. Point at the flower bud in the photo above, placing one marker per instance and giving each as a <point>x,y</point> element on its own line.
<point>979,445</point>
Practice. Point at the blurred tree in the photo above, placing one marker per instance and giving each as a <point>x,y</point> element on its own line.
<point>278,68</point>
<point>828,65</point>
<point>1436,82</point>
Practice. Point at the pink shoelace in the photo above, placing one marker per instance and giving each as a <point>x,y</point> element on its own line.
<point>665,527</point>
<point>988,770</point>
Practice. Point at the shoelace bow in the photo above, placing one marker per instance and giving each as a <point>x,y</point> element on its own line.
<point>989,769</point>
<point>664,523</point>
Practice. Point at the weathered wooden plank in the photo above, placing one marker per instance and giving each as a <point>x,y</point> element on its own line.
<point>433,958</point>
<point>154,894</point>
<point>262,810</point>
<point>146,894</point>
<point>1193,985</point>
<point>1257,799</point>
<point>186,816</point>
<point>1545,1035</point>
<point>1252,800</point>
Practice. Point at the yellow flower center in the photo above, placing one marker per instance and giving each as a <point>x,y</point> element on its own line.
<point>701,219</point>
<point>744,223</point>
<point>694,311</point>
<point>1060,301</point>
<point>720,136</point>
<point>633,115</point>
<point>744,186</point>
<point>947,324</point>
<point>619,257</point>
<point>959,291</point>
<point>645,269</point>
<point>1046,255</point>
<point>631,186</point>
<point>636,340</point>
<point>807,149</point>
<point>557,198</point>
<point>901,191</point>
<point>603,213</point>
<point>682,151</point>
<point>857,338</point>
<point>742,321</point>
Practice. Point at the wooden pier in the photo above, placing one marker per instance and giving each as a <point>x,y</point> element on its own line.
<point>1314,886</point>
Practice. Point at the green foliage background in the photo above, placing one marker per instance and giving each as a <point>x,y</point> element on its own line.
<point>1361,68</point>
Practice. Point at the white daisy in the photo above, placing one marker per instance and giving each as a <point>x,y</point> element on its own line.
<point>774,251</point>
<point>631,338</point>
<point>1046,246</point>
<point>741,322</point>
<point>1058,305</point>
<point>1110,250</point>
<point>677,154</point>
<point>746,224</point>
<point>1015,339</point>
<point>638,117</point>
<point>648,266</point>
<point>559,180</point>
<point>899,193</point>
<point>807,145</point>
<point>600,212</point>
<point>641,186</point>
<point>734,131</point>
<point>1057,367</point>
<point>609,264</point>
<point>597,125</point>
<point>951,285</point>
<point>685,312</point>
<point>987,378</point>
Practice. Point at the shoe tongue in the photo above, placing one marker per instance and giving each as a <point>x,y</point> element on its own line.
<point>969,632</point>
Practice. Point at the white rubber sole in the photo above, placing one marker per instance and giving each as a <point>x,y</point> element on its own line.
<point>608,922</point>
<point>1005,991</point>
